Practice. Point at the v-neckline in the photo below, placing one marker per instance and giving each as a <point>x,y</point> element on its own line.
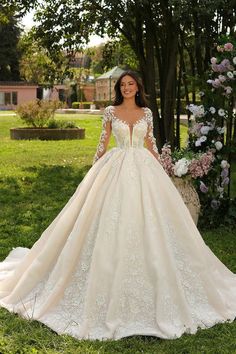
<point>127,123</point>
<point>130,126</point>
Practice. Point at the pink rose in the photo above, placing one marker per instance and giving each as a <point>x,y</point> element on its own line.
<point>228,47</point>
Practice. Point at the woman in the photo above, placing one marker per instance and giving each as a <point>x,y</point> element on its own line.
<point>124,256</point>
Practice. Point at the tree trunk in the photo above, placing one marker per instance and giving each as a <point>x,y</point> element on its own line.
<point>178,102</point>
<point>170,85</point>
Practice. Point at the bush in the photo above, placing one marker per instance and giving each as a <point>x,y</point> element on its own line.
<point>75,105</point>
<point>38,113</point>
<point>84,105</point>
<point>60,124</point>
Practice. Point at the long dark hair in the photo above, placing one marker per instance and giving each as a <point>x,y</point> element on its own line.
<point>140,97</point>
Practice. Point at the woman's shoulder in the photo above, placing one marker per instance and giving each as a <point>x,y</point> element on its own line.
<point>107,113</point>
<point>148,112</point>
<point>147,109</point>
<point>109,108</point>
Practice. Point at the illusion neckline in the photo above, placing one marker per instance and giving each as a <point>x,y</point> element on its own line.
<point>124,121</point>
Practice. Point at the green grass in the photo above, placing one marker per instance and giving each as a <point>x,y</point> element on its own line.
<point>36,180</point>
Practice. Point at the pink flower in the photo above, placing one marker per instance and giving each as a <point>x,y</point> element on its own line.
<point>224,173</point>
<point>201,167</point>
<point>228,47</point>
<point>214,68</point>
<point>216,83</point>
<point>213,60</point>
<point>166,160</point>
<point>203,187</point>
<point>225,181</point>
<point>226,64</point>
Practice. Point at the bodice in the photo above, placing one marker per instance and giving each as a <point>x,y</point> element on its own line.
<point>126,135</point>
<point>129,135</point>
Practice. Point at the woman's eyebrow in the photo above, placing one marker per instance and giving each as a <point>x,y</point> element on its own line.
<point>128,82</point>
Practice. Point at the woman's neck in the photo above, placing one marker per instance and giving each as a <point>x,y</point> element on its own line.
<point>129,104</point>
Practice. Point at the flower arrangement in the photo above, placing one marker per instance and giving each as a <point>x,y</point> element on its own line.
<point>206,159</point>
<point>224,72</point>
<point>210,132</point>
<point>193,165</point>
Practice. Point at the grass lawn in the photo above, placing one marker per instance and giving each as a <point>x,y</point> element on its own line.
<point>36,180</point>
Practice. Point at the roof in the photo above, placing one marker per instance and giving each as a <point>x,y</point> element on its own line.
<point>114,73</point>
<point>17,83</point>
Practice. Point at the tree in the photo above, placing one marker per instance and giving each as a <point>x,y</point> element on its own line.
<point>9,51</point>
<point>154,31</point>
<point>37,66</point>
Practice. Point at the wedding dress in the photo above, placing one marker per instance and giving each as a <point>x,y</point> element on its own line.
<point>124,256</point>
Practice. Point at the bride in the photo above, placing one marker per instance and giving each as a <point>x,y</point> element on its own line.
<point>124,256</point>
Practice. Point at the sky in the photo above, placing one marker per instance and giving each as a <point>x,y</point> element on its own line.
<point>28,22</point>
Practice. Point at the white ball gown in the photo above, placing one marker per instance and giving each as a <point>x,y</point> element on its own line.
<point>124,256</point>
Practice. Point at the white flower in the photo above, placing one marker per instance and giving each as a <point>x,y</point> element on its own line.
<point>228,90</point>
<point>204,129</point>
<point>197,111</point>
<point>209,81</point>
<point>211,126</point>
<point>221,130</point>
<point>203,138</point>
<point>221,112</point>
<point>230,75</point>
<point>218,145</point>
<point>212,110</point>
<point>201,93</point>
<point>198,143</point>
<point>222,78</point>
<point>224,164</point>
<point>234,60</point>
<point>181,167</point>
<point>220,189</point>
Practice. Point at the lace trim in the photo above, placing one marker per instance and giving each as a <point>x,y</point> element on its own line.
<point>150,135</point>
<point>101,145</point>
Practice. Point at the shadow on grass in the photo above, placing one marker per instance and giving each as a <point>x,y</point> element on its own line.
<point>30,203</point>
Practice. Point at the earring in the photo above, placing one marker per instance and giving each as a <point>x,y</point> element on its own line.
<point>137,93</point>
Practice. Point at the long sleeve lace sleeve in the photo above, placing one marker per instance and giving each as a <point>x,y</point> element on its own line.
<point>105,135</point>
<point>150,140</point>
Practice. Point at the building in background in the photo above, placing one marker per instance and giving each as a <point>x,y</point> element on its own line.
<point>13,93</point>
<point>105,83</point>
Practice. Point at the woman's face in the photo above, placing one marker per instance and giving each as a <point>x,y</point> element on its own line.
<point>128,86</point>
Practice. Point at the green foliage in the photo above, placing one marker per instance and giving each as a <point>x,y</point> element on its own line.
<point>116,52</point>
<point>37,113</point>
<point>85,105</point>
<point>60,124</point>
<point>9,52</point>
<point>38,66</point>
